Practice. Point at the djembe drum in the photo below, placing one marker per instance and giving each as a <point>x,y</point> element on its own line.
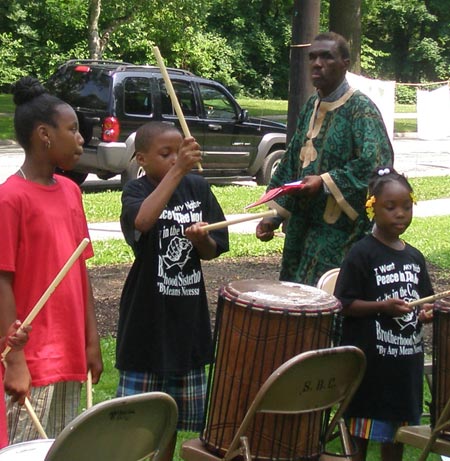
<point>260,325</point>
<point>441,360</point>
<point>34,450</point>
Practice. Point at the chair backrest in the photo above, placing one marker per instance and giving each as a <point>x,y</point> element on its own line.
<point>311,381</point>
<point>125,428</point>
<point>328,280</point>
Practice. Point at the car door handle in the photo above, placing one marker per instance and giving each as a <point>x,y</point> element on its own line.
<point>214,127</point>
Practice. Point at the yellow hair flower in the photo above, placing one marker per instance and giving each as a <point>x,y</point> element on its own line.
<point>413,198</point>
<point>369,207</point>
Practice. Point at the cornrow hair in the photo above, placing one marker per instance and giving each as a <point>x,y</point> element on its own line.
<point>34,105</point>
<point>383,175</point>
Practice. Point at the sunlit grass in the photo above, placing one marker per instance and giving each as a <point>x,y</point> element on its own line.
<point>105,206</point>
<point>432,238</point>
<point>117,251</point>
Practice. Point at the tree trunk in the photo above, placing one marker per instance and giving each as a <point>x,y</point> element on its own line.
<point>305,26</point>
<point>95,48</point>
<point>345,19</point>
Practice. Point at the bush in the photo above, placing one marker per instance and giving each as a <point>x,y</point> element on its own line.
<point>405,94</point>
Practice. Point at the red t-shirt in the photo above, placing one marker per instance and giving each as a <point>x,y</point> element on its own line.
<point>41,226</point>
<point>3,424</point>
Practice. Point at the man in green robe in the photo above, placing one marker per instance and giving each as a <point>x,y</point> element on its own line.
<point>340,139</point>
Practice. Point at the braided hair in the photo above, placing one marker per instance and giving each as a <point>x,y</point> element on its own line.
<point>34,105</point>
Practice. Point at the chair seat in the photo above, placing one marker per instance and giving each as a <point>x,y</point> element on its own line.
<point>418,436</point>
<point>195,450</point>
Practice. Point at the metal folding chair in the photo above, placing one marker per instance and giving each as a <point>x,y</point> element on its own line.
<point>426,438</point>
<point>311,382</point>
<point>122,429</point>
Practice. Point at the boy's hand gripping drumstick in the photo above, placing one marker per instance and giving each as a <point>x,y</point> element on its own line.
<point>173,96</point>
<point>36,309</point>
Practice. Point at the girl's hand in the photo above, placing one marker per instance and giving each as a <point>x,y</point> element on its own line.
<point>395,307</point>
<point>17,337</point>
<point>426,313</point>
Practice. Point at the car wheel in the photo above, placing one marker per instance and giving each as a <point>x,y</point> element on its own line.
<point>268,168</point>
<point>75,176</point>
<point>133,171</point>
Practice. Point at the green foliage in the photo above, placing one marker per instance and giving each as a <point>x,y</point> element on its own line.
<point>405,94</point>
<point>243,44</point>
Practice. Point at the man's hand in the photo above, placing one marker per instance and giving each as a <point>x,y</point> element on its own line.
<point>265,230</point>
<point>311,185</point>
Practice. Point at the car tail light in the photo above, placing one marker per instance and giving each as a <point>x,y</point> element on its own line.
<point>110,129</point>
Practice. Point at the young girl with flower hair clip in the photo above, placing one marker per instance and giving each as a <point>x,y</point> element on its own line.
<point>380,275</point>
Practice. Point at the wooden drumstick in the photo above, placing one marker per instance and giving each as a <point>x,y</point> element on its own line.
<point>89,390</point>
<point>429,299</point>
<point>173,96</point>
<point>34,418</point>
<point>249,217</point>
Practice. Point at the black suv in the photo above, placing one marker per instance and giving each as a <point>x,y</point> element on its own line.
<point>112,99</point>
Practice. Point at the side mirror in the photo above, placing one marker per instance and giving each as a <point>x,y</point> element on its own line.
<point>243,116</point>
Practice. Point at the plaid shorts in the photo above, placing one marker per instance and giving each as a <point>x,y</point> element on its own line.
<point>375,429</point>
<point>188,390</point>
<point>55,405</point>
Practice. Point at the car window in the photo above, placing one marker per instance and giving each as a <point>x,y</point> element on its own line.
<point>217,104</point>
<point>185,96</point>
<point>82,86</point>
<point>137,96</point>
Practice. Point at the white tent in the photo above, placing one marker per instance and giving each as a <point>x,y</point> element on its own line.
<point>382,93</point>
<point>433,113</point>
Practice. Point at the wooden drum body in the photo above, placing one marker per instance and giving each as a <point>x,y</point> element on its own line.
<point>441,359</point>
<point>260,325</point>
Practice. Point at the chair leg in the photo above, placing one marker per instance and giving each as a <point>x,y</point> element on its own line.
<point>246,449</point>
<point>345,438</point>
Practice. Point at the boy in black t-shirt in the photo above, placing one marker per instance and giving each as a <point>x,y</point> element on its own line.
<point>164,333</point>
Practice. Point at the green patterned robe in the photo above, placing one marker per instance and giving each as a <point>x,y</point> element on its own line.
<point>344,145</point>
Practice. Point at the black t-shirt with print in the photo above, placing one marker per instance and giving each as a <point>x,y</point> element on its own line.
<point>393,383</point>
<point>164,323</point>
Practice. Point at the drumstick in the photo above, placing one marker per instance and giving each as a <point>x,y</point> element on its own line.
<point>249,217</point>
<point>44,298</point>
<point>34,418</point>
<point>429,299</point>
<point>89,389</point>
<point>173,97</point>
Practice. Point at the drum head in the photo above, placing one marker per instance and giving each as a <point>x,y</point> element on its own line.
<point>34,450</point>
<point>277,295</point>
